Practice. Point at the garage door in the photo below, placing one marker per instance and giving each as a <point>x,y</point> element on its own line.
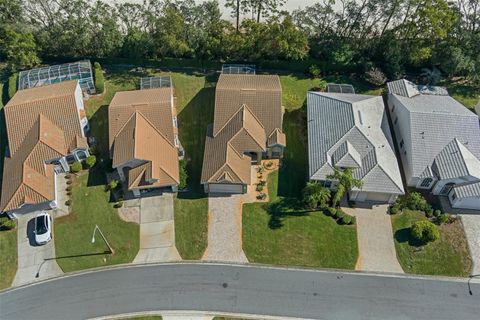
<point>225,188</point>
<point>377,197</point>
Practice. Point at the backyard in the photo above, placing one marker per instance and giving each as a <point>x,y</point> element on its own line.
<point>90,207</point>
<point>448,256</point>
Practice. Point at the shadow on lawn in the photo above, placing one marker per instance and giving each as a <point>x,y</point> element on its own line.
<point>404,235</point>
<point>293,173</point>
<point>193,122</point>
<point>283,208</point>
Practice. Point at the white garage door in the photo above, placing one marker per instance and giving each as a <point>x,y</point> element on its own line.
<point>225,188</point>
<point>377,197</point>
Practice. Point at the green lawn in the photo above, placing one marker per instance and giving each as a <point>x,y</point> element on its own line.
<point>8,262</point>
<point>448,256</point>
<point>283,233</point>
<point>73,233</point>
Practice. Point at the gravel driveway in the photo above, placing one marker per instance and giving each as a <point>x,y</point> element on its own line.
<point>225,229</point>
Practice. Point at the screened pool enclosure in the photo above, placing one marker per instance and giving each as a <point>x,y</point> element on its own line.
<point>80,70</point>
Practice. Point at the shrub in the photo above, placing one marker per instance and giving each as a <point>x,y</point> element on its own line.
<point>437,213</point>
<point>332,212</point>
<point>376,77</point>
<point>443,218</point>
<point>182,165</point>
<point>68,202</point>
<point>118,204</point>
<point>346,219</point>
<point>261,196</point>
<point>113,184</point>
<point>12,85</point>
<point>99,79</point>
<point>354,220</point>
<point>415,201</point>
<point>6,223</point>
<point>68,176</point>
<point>394,209</point>
<point>69,188</point>
<point>269,164</point>
<point>259,187</point>
<point>314,71</point>
<point>68,182</point>
<point>90,161</point>
<point>340,214</point>
<point>76,167</point>
<point>425,231</point>
<point>429,212</point>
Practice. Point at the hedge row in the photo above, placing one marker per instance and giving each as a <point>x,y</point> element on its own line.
<point>12,85</point>
<point>99,79</point>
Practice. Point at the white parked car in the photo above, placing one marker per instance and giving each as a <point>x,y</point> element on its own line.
<point>43,228</point>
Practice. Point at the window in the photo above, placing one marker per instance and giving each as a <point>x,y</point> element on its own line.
<point>326,183</point>
<point>81,155</point>
<point>454,196</point>
<point>426,182</point>
<point>401,144</point>
<point>175,123</point>
<point>177,143</point>
<point>393,108</point>
<point>396,120</point>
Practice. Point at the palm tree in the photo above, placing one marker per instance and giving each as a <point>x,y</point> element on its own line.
<point>315,195</point>
<point>346,182</point>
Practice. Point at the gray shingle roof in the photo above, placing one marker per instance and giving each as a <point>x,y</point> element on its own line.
<point>468,191</point>
<point>348,128</point>
<point>409,89</point>
<point>449,163</point>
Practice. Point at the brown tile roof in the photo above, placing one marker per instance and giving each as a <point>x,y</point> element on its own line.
<point>42,124</point>
<point>155,104</point>
<point>248,118</point>
<point>224,157</point>
<point>138,137</point>
<point>261,93</point>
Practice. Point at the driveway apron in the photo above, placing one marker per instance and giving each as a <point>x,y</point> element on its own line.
<point>375,240</point>
<point>34,262</point>
<point>225,229</point>
<point>157,230</point>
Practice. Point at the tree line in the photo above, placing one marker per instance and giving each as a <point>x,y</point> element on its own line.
<point>394,36</point>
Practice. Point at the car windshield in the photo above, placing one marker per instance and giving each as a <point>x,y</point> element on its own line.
<point>41,225</point>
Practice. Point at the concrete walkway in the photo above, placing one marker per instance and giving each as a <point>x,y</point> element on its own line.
<point>376,246</point>
<point>225,229</point>
<point>33,260</point>
<point>471,225</point>
<point>157,230</point>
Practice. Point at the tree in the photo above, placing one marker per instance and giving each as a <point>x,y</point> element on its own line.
<point>18,48</point>
<point>425,231</point>
<point>90,161</point>
<point>99,79</point>
<point>346,182</point>
<point>315,195</point>
<point>376,77</point>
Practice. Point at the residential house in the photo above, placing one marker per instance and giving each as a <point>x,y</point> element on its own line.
<point>46,129</point>
<point>438,140</point>
<point>143,139</point>
<point>352,131</point>
<point>247,127</point>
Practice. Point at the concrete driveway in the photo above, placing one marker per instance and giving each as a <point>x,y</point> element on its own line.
<point>33,260</point>
<point>376,247</point>
<point>225,229</point>
<point>157,230</point>
<point>471,225</point>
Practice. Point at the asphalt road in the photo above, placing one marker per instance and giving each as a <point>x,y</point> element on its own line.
<point>242,289</point>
